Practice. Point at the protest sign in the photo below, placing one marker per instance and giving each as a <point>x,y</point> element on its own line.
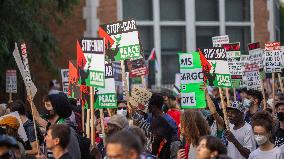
<point>85,96</point>
<point>64,79</point>
<point>245,59</point>
<point>11,81</point>
<point>137,68</point>
<point>216,68</point>
<point>90,61</point>
<point>121,40</point>
<point>106,97</point>
<point>256,54</point>
<point>176,88</point>
<point>252,76</point>
<point>272,57</point>
<point>219,40</point>
<point>140,98</point>
<point>191,79</point>
<point>73,87</point>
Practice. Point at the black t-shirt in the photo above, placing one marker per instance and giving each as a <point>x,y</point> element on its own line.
<point>65,156</point>
<point>279,137</point>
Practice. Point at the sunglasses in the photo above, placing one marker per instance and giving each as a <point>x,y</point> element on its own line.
<point>122,108</point>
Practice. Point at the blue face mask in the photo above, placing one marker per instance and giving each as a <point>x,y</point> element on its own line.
<point>206,113</point>
<point>247,103</point>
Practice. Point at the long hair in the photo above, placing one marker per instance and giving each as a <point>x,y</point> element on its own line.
<point>194,126</point>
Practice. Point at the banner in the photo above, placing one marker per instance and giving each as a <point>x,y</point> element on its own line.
<point>64,78</point>
<point>11,81</point>
<point>90,61</point>
<point>272,57</point>
<point>121,40</point>
<point>106,97</point>
<point>219,40</point>
<point>252,77</point>
<point>73,87</point>
<point>191,79</point>
<point>137,68</point>
<point>215,67</point>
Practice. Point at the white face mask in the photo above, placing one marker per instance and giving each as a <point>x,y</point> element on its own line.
<point>270,102</point>
<point>122,112</point>
<point>260,139</point>
<point>247,103</point>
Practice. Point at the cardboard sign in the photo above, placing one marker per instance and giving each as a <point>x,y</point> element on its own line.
<point>121,40</point>
<point>272,57</point>
<point>90,60</point>
<point>106,97</point>
<point>140,98</point>
<point>245,59</point>
<point>217,70</point>
<point>219,40</point>
<point>11,81</point>
<point>64,78</point>
<point>137,68</point>
<point>252,76</point>
<point>73,87</point>
<point>233,51</point>
<point>191,79</point>
<point>256,54</point>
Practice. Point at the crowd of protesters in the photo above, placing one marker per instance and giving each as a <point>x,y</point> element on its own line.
<point>160,130</point>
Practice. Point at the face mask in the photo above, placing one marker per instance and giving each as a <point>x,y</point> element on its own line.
<point>247,103</point>
<point>260,139</point>
<point>270,102</point>
<point>122,112</point>
<point>280,116</point>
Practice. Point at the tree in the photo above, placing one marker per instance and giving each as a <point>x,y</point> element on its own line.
<point>28,20</point>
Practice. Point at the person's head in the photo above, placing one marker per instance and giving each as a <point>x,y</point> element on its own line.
<point>3,109</point>
<point>58,136</point>
<point>171,102</point>
<point>116,123</point>
<point>280,110</point>
<point>215,92</point>
<point>121,108</point>
<point>193,126</point>
<point>156,103</point>
<point>243,93</point>
<point>236,112</point>
<point>9,148</point>
<point>10,125</point>
<point>18,106</point>
<point>255,97</point>
<point>54,84</point>
<point>123,145</point>
<point>139,133</point>
<point>262,126</point>
<point>210,147</point>
<point>57,105</point>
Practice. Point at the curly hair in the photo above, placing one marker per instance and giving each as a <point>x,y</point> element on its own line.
<point>263,119</point>
<point>194,126</point>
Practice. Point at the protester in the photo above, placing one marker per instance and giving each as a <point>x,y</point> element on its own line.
<point>193,127</point>
<point>115,124</point>
<point>262,127</point>
<point>210,147</point>
<point>156,103</point>
<point>59,111</point>
<point>240,136</point>
<point>123,145</point>
<point>9,148</point>
<point>3,109</point>
<point>279,133</point>
<point>31,145</point>
<point>121,108</point>
<point>54,87</point>
<point>57,139</point>
<point>252,102</point>
<point>174,110</point>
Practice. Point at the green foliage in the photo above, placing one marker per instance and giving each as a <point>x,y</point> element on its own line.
<point>28,20</point>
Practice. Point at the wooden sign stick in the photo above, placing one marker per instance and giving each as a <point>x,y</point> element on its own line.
<point>125,85</point>
<point>281,82</point>
<point>102,125</point>
<point>143,81</point>
<point>263,94</point>
<point>88,124</point>
<point>224,109</point>
<point>10,98</point>
<point>228,97</point>
<point>92,115</point>
<point>273,92</point>
<point>83,119</point>
<point>235,94</point>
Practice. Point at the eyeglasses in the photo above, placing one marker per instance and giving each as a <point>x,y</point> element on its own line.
<point>121,108</point>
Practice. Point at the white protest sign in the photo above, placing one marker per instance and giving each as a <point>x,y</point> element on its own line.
<point>252,76</point>
<point>272,57</point>
<point>219,40</point>
<point>188,99</point>
<point>245,59</point>
<point>11,81</point>
<point>65,82</point>
<point>191,76</point>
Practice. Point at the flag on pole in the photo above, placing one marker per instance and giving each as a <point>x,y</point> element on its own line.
<point>153,57</point>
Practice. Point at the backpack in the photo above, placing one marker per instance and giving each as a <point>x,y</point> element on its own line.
<point>84,144</point>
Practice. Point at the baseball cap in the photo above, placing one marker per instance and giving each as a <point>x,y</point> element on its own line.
<point>236,105</point>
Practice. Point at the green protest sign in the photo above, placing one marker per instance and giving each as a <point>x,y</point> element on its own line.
<point>121,40</point>
<point>216,68</point>
<point>106,97</point>
<point>191,78</point>
<point>90,61</point>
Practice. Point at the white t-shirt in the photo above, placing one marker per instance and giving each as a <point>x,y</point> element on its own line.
<point>275,153</point>
<point>245,137</point>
